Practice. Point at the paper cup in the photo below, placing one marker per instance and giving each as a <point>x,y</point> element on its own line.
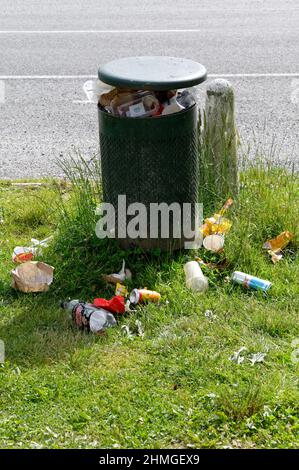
<point>213,243</point>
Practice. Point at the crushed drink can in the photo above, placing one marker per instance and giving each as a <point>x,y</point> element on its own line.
<point>139,296</point>
<point>250,282</point>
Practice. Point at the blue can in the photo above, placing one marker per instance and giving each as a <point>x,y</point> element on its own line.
<point>250,282</point>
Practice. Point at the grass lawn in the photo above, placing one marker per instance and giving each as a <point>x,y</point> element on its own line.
<point>174,387</point>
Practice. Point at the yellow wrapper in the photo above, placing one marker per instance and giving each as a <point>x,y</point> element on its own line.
<point>121,290</point>
<point>277,244</point>
<point>217,224</point>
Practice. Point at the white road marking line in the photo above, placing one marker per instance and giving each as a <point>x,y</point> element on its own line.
<point>44,77</point>
<point>254,75</point>
<point>210,75</point>
<point>103,31</point>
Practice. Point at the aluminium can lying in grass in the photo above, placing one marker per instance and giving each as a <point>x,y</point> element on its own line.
<point>250,282</point>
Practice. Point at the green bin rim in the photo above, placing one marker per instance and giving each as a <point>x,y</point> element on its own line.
<point>153,73</point>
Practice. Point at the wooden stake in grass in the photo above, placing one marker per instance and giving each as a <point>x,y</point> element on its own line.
<point>218,159</point>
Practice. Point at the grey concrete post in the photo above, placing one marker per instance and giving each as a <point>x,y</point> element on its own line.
<point>218,159</point>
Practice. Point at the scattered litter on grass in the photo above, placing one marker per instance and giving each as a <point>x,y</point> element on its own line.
<point>120,289</point>
<point>217,224</point>
<point>214,243</point>
<point>237,357</point>
<point>87,317</point>
<point>210,315</point>
<point>114,305</point>
<point>30,185</point>
<point>250,282</point>
<point>195,280</point>
<point>277,244</point>
<point>267,411</point>
<point>211,395</point>
<point>127,307</point>
<point>139,296</point>
<point>138,330</point>
<point>127,332</point>
<point>257,357</point>
<point>52,433</point>
<point>275,257</point>
<point>280,242</point>
<point>249,424</point>
<point>22,254</point>
<point>38,245</point>
<point>222,264</point>
<point>32,276</point>
<point>115,278</point>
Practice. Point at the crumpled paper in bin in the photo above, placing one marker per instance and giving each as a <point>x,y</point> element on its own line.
<point>33,276</point>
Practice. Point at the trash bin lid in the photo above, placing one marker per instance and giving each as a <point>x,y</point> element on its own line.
<point>153,73</point>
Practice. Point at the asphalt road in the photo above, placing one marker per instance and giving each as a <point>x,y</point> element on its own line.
<point>49,49</point>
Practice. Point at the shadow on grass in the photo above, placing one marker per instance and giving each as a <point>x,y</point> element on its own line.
<point>37,332</point>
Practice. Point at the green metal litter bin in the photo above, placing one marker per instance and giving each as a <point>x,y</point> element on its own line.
<point>150,159</point>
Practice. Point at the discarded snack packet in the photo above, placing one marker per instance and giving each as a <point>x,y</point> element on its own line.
<point>22,254</point>
<point>217,224</point>
<point>114,305</point>
<point>139,296</point>
<point>250,282</point>
<point>121,290</point>
<point>280,242</point>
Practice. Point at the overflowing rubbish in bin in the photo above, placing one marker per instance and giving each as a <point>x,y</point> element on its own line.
<point>125,102</point>
<point>147,86</point>
<point>164,149</point>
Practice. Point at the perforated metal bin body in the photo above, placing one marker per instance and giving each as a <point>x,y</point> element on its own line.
<point>150,160</point>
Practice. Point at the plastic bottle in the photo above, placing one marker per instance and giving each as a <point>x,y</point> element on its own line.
<point>195,280</point>
<point>86,316</point>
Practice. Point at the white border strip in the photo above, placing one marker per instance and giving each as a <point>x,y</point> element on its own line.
<point>103,31</point>
<point>45,77</point>
<point>254,75</point>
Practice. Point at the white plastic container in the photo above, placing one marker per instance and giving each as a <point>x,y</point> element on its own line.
<point>195,280</point>
<point>214,243</point>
